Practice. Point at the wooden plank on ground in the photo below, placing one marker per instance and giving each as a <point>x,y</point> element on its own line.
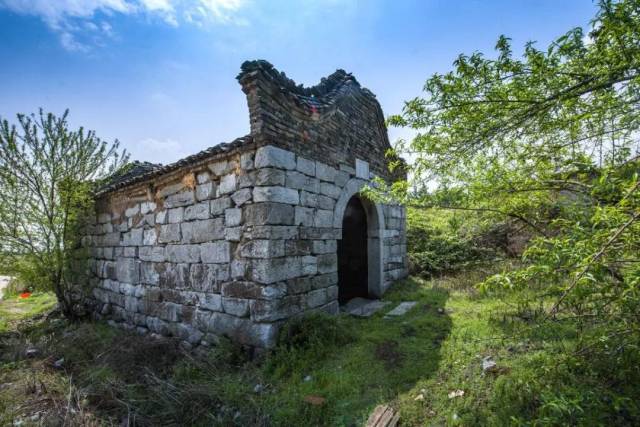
<point>383,416</point>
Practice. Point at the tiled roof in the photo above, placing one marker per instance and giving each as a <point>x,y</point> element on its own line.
<point>143,171</point>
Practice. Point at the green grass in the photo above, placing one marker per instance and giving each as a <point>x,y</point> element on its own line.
<point>412,363</point>
<point>13,309</point>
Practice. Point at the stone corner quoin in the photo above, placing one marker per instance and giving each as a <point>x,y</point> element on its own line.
<point>236,239</point>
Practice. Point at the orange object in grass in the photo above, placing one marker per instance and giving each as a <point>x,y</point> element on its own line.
<point>25,295</point>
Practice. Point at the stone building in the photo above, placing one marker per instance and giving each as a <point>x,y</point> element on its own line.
<point>235,239</point>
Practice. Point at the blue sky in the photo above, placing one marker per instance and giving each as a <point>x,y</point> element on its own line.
<point>159,75</point>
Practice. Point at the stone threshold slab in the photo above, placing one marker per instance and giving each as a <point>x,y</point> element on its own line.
<point>363,307</point>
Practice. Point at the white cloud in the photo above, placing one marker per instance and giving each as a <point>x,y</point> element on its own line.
<point>158,151</point>
<point>72,19</point>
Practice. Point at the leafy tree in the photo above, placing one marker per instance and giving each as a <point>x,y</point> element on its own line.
<point>47,172</point>
<point>548,138</point>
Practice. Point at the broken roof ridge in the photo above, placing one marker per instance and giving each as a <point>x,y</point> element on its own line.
<point>326,86</point>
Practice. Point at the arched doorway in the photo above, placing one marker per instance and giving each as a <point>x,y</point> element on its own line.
<point>353,269</point>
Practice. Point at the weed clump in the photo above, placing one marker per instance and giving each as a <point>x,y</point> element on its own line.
<point>306,340</point>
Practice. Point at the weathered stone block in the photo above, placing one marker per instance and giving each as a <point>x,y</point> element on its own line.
<point>111,270</point>
<point>269,213</point>
<point>158,326</point>
<point>241,197</point>
<point>243,330</point>
<point>233,234</point>
<point>316,298</point>
<point>273,310</point>
<point>211,302</point>
<point>323,218</point>
<point>273,270</point>
<point>235,306</point>
<point>320,233</point>
<point>270,176</point>
<point>300,181</point>
<point>197,211</point>
<point>348,169</point>
<point>246,161</point>
<point>132,238</point>
<point>222,167</point>
<point>309,265</point>
<point>262,249</point>
<point>276,195</point>
<point>325,202</point>
<point>332,293</point>
<point>128,270</point>
<point>182,253</point>
<point>252,290</point>
<point>219,205</point>
<point>161,217</point>
<point>203,230</point>
<point>205,191</point>
<point>168,190</point>
<point>324,246</point>
<point>169,233</point>
<point>330,190</point>
<point>173,276</point>
<point>325,172</point>
<point>306,166</point>
<point>216,252</point>
<point>246,179</point>
<point>232,217</point>
<point>111,239</point>
<point>203,177</point>
<point>150,237</point>
<point>325,280</point>
<point>208,277</point>
<point>132,211</point>
<point>272,232</point>
<point>362,169</point>
<point>180,199</point>
<point>147,207</point>
<point>303,216</point>
<point>130,251</point>
<point>327,263</point>
<point>309,199</point>
<point>186,332</point>
<point>341,178</point>
<point>148,273</point>
<point>298,247</point>
<point>169,311</point>
<point>175,215</point>
<point>228,184</point>
<point>238,268</point>
<point>270,156</point>
<point>148,219</point>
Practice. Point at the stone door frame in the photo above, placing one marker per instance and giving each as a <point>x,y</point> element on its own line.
<point>375,232</point>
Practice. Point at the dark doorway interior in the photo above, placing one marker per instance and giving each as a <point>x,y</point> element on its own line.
<point>352,253</point>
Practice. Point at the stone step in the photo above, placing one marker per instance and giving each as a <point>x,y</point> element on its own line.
<point>363,307</point>
<point>401,309</point>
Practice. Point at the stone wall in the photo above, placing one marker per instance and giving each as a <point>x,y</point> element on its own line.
<point>233,243</point>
